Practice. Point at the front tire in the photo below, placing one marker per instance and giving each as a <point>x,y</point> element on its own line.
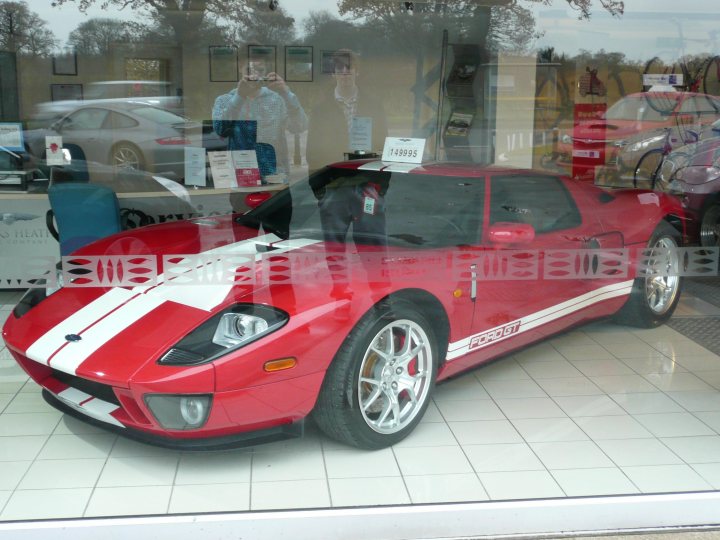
<point>379,384</point>
<point>655,295</point>
<point>710,227</point>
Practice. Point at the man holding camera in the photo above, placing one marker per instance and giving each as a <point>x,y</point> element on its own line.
<point>259,110</point>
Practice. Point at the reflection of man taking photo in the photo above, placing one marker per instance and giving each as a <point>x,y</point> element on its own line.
<point>349,120</point>
<point>259,110</point>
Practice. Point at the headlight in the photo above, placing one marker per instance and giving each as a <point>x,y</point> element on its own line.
<point>566,139</point>
<point>228,330</point>
<point>697,175</point>
<point>179,412</point>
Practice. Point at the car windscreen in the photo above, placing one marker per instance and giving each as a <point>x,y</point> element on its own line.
<point>159,116</point>
<point>639,108</point>
<point>376,208</point>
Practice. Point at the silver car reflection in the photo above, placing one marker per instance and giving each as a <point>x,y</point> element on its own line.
<point>128,135</point>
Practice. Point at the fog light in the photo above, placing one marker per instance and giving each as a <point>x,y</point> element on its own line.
<point>179,412</point>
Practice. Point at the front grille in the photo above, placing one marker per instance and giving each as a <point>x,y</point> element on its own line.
<point>95,389</point>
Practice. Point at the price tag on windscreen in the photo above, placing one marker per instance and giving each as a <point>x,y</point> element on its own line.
<point>403,150</point>
<point>54,150</point>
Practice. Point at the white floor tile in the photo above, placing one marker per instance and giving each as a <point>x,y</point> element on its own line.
<point>612,427</point>
<point>46,504</point>
<point>82,446</point>
<point>432,414</point>
<point>129,501</point>
<point>279,466</point>
<point>710,377</point>
<point>485,432</point>
<point>506,369</point>
<point>574,338</point>
<point>432,460</point>
<point>530,408</point>
<point>62,473</point>
<point>710,472</point>
<point>549,430</point>
<point>520,485</point>
<point>543,352</point>
<point>503,457</point>
<point>72,426</point>
<point>697,401</point>
<point>210,498</point>
<point>658,363</point>
<point>678,382</point>
<point>514,389</point>
<point>589,406</point>
<point>368,491</point>
<point>21,447</point>
<point>571,455</point>
<point>464,388</point>
<point>126,448</point>
<point>428,434</point>
<point>354,463</point>
<point>292,494</point>
<point>632,452</point>
<point>445,488</point>
<point>646,403</point>
<point>678,349</point>
<point>573,386</point>
<point>673,425</point>
<point>702,362</point>
<point>214,468</point>
<point>695,449</point>
<point>598,368</point>
<point>623,384</point>
<point>551,370</point>
<point>11,472</point>
<point>139,471</point>
<point>17,425</point>
<point>637,349</point>
<point>711,419</point>
<point>464,411</point>
<point>666,478</point>
<point>27,403</point>
<point>594,482</point>
<point>585,352</point>
<point>5,400</point>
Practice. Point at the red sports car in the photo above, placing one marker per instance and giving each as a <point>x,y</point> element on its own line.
<point>347,296</point>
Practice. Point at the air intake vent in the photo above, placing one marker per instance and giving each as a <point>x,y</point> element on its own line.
<point>95,389</point>
<point>181,357</point>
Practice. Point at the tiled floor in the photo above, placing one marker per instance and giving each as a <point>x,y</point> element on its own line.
<point>604,409</point>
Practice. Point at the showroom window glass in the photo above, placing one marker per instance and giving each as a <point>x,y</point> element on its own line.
<point>188,112</point>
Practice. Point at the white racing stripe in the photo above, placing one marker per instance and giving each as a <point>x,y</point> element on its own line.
<point>119,308</point>
<point>553,313</point>
<point>45,346</point>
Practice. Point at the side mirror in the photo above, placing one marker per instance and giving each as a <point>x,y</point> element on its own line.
<point>253,200</point>
<point>511,233</point>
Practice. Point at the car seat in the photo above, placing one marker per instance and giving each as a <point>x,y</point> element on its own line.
<point>83,213</point>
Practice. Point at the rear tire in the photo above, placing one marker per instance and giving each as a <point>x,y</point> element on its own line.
<point>655,295</point>
<point>378,386</point>
<point>710,227</point>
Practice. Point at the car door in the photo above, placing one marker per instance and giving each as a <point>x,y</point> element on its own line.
<point>84,129</point>
<point>531,278</point>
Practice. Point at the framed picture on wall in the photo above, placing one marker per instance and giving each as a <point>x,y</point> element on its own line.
<point>59,92</point>
<point>223,63</point>
<point>327,60</point>
<point>298,64</point>
<point>262,58</point>
<point>65,64</point>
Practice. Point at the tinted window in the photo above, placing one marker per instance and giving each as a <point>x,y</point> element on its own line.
<point>117,120</point>
<point>160,116</point>
<point>540,201</point>
<point>370,207</point>
<point>85,119</point>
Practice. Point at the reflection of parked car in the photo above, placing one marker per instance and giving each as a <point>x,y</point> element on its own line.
<point>693,173</point>
<point>156,93</point>
<point>129,134</point>
<point>597,142</point>
<point>259,319</point>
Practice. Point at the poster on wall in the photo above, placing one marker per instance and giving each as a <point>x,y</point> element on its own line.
<point>11,136</point>
<point>223,64</point>
<point>299,64</point>
<point>262,59</point>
